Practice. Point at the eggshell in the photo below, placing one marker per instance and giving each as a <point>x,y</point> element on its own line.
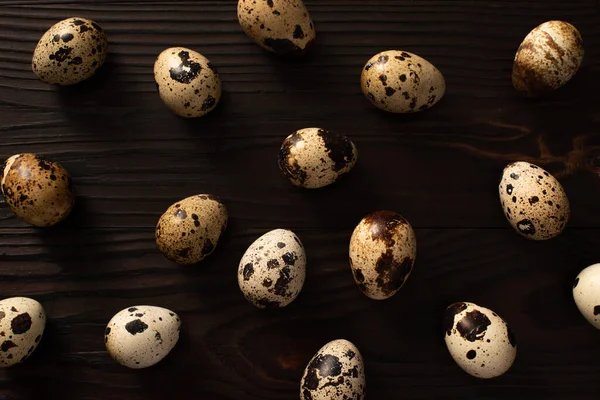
<point>314,157</point>
<point>272,270</point>
<point>549,56</point>
<point>336,372</point>
<point>141,336</point>
<point>190,229</point>
<point>383,248</point>
<point>37,190</point>
<point>187,82</point>
<point>22,324</point>
<point>401,82</point>
<point>534,202</point>
<point>70,51</point>
<point>280,26</point>
<point>479,340</point>
<point>586,292</point>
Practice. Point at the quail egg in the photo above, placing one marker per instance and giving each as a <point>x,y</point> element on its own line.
<point>533,201</point>
<point>37,190</point>
<point>22,324</point>
<point>141,336</point>
<point>272,271</point>
<point>402,82</point>
<point>70,51</point>
<point>336,372</point>
<point>187,82</point>
<point>478,340</point>
<point>383,248</point>
<point>314,157</point>
<point>549,56</point>
<point>280,26</point>
<point>190,229</point>
<point>586,292</point>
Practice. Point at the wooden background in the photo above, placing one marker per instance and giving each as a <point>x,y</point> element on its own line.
<point>130,158</point>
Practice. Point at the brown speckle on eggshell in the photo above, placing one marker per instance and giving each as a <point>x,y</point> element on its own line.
<point>314,157</point>
<point>70,51</point>
<point>187,82</point>
<point>533,200</point>
<point>549,56</point>
<point>402,82</point>
<point>37,190</point>
<point>383,249</point>
<point>280,26</point>
<point>190,229</point>
<point>22,324</point>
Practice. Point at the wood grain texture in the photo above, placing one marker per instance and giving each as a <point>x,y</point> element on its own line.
<point>130,158</point>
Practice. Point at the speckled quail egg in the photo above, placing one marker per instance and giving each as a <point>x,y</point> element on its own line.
<point>70,51</point>
<point>190,229</point>
<point>479,340</point>
<point>383,248</point>
<point>272,270</point>
<point>314,157</point>
<point>37,190</point>
<point>533,201</point>
<point>22,324</point>
<point>586,292</point>
<point>187,82</point>
<point>336,372</point>
<point>141,336</point>
<point>280,26</point>
<point>402,82</point>
<point>549,56</point>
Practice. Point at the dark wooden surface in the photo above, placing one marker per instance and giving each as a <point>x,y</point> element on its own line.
<point>130,158</point>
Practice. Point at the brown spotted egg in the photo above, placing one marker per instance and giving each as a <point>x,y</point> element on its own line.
<point>478,340</point>
<point>70,51</point>
<point>273,269</point>
<point>314,157</point>
<point>549,56</point>
<point>383,248</point>
<point>190,229</point>
<point>37,190</point>
<point>586,292</point>
<point>336,372</point>
<point>22,324</point>
<point>280,26</point>
<point>402,82</point>
<point>534,202</point>
<point>141,336</point>
<point>187,82</point>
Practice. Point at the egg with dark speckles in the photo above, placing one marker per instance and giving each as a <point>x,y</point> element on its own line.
<point>586,292</point>
<point>272,271</point>
<point>70,51</point>
<point>383,249</point>
<point>534,202</point>
<point>187,82</point>
<point>280,26</point>
<point>141,336</point>
<point>337,371</point>
<point>37,190</point>
<point>479,341</point>
<point>402,82</point>
<point>549,56</point>
<point>314,157</point>
<point>190,229</point>
<point>22,324</point>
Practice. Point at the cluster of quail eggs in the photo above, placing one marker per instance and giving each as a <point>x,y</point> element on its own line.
<point>272,271</point>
